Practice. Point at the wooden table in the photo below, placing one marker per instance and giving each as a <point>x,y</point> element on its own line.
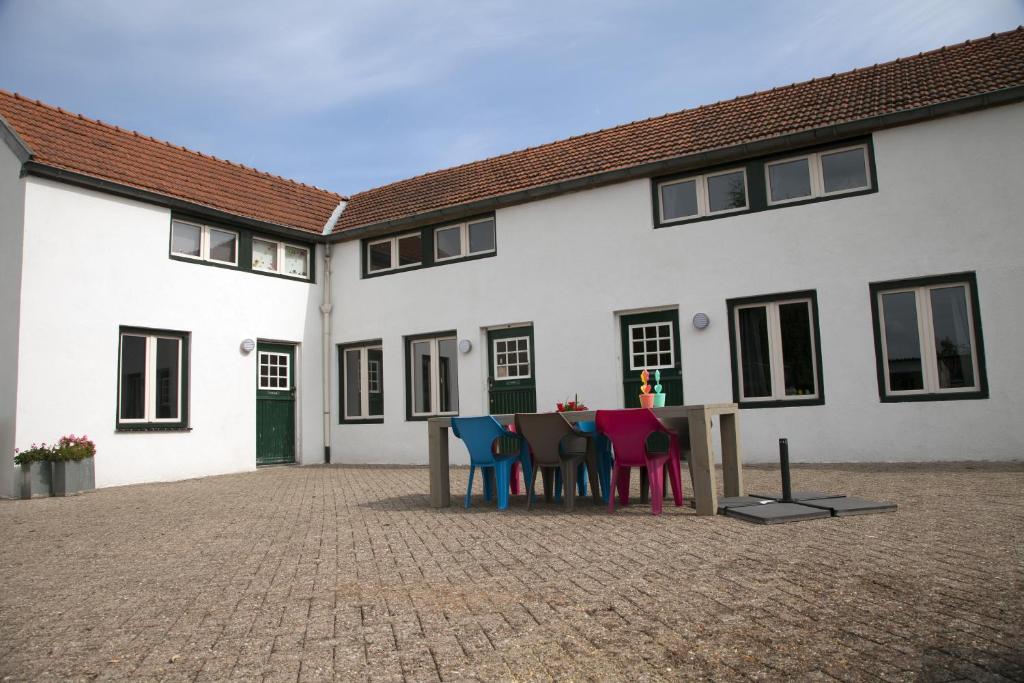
<point>692,423</point>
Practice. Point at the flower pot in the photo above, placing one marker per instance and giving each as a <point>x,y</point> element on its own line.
<point>36,480</point>
<point>659,400</point>
<point>71,477</point>
<point>646,400</point>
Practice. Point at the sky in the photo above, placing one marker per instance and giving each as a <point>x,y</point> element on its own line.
<point>356,94</point>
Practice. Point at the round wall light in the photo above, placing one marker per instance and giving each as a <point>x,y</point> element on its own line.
<point>465,346</point>
<point>701,320</point>
<point>247,346</point>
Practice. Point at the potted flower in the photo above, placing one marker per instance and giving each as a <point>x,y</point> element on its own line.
<point>568,406</point>
<point>646,397</point>
<point>35,471</point>
<point>73,469</point>
<point>659,395</point>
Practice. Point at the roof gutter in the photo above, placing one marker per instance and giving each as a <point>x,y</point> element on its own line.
<point>691,161</point>
<point>35,168</point>
<point>14,142</point>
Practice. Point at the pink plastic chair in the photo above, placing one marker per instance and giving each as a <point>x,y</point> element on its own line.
<point>630,432</point>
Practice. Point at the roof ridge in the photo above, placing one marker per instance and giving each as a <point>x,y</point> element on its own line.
<point>755,93</point>
<point>150,138</point>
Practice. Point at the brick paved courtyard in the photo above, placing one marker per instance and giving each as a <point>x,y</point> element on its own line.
<point>334,572</point>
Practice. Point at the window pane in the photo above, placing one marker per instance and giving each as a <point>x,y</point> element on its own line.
<point>264,255</point>
<point>756,370</point>
<point>133,377</point>
<point>185,239</point>
<point>902,342</point>
<point>375,381</point>
<point>726,191</point>
<point>296,261</point>
<point>353,397</point>
<point>380,256</point>
<point>797,352</point>
<point>449,242</point>
<point>481,236</point>
<point>410,250</point>
<point>952,337</point>
<point>167,377</point>
<point>790,180</point>
<point>844,170</point>
<point>448,375</point>
<point>679,200</point>
<point>421,376</point>
<point>222,245</point>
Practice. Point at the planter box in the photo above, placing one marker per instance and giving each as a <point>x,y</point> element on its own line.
<point>36,480</point>
<point>71,477</point>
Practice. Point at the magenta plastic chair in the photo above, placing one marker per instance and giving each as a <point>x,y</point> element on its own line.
<point>639,439</point>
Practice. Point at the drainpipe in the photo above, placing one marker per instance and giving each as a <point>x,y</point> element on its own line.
<point>325,314</point>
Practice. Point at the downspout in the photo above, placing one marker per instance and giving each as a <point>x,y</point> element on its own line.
<point>325,322</point>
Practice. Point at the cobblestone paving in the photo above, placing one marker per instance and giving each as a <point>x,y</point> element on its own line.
<point>345,573</point>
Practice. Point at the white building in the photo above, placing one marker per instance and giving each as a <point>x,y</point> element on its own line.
<point>854,242</point>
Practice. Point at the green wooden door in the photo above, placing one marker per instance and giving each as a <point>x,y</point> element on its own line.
<point>275,404</point>
<point>511,382</point>
<point>651,341</point>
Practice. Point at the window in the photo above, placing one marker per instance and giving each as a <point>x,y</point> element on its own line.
<point>651,346</point>
<point>704,195</point>
<point>512,358</point>
<point>152,386</point>
<point>776,350</point>
<point>816,175</point>
<point>204,243</point>
<point>362,382</point>
<point>433,380</point>
<point>270,256</point>
<point>928,339</point>
<point>465,239</point>
<point>273,371</point>
<point>392,253</point>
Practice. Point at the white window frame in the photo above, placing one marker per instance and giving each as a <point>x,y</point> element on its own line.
<point>926,339</point>
<point>395,261</point>
<point>671,345</point>
<point>464,240</point>
<point>435,377</point>
<point>703,198</point>
<point>817,175</point>
<point>287,374</point>
<point>778,372</point>
<point>280,258</point>
<point>529,358</point>
<point>364,383</point>
<point>149,402</point>
<point>204,243</point>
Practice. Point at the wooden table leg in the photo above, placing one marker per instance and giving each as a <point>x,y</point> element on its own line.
<point>732,459</point>
<point>440,485</point>
<point>702,467</point>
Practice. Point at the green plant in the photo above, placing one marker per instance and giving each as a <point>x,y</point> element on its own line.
<point>73,447</point>
<point>34,453</point>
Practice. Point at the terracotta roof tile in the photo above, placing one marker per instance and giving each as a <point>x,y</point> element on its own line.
<point>73,142</point>
<point>949,73</point>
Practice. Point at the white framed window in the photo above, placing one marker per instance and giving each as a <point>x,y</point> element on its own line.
<point>152,378</point>
<point>927,332</point>
<point>271,256</point>
<point>651,346</point>
<point>775,349</point>
<point>394,253</point>
<point>820,174</point>
<point>710,194</point>
<point>274,371</point>
<point>464,239</point>
<point>362,382</point>
<point>512,358</point>
<point>204,242</point>
<point>433,376</point>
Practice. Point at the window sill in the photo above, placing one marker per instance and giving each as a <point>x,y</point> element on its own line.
<point>127,429</point>
<point>954,396</point>
<point>367,421</point>
<point>778,403</point>
<point>424,418</point>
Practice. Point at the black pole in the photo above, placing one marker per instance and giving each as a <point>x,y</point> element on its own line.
<point>787,494</point>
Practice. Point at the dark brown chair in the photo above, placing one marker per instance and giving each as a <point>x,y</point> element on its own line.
<point>557,446</point>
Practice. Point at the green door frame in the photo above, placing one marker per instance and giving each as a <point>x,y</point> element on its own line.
<point>511,394</point>
<point>275,403</point>
<point>671,377</point>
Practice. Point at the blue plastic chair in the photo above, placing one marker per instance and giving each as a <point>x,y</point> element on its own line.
<point>482,436</point>
<point>604,456</point>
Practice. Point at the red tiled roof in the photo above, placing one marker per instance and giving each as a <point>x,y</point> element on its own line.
<point>951,73</point>
<point>72,142</point>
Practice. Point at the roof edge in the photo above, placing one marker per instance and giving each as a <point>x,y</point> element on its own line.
<point>63,175</point>
<point>14,141</point>
<point>676,164</point>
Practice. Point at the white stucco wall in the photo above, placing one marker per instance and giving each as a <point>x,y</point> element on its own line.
<point>12,194</point>
<point>948,201</point>
<point>95,262</point>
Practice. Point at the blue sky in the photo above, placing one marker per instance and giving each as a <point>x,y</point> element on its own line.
<point>351,95</point>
